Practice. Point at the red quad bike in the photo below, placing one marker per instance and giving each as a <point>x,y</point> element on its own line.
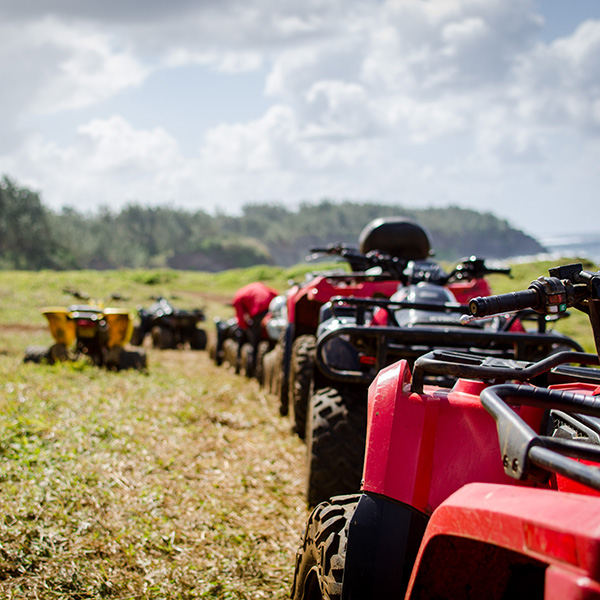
<point>274,324</point>
<point>385,247</point>
<point>234,347</point>
<point>485,489</point>
<point>353,345</point>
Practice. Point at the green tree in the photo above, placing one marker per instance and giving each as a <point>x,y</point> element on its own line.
<point>26,240</point>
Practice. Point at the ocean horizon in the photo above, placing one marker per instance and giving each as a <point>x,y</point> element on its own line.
<point>571,245</point>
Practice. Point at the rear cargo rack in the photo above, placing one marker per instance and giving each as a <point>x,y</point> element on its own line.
<point>528,455</point>
<point>491,369</point>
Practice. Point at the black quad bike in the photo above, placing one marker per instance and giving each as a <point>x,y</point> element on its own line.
<point>170,327</point>
<point>487,486</point>
<point>228,340</point>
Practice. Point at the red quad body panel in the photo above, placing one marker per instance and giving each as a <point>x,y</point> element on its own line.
<point>322,288</point>
<point>467,290</point>
<point>557,529</point>
<point>421,448</point>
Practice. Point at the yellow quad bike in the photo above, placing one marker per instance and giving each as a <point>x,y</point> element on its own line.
<point>89,331</point>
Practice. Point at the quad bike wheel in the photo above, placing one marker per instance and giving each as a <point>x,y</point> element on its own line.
<point>137,336</point>
<point>246,360</point>
<point>301,374</point>
<point>38,354</point>
<point>214,352</point>
<point>336,437</point>
<point>230,353</point>
<point>267,371</point>
<point>261,351</point>
<point>198,339</point>
<point>280,385</point>
<point>162,338</point>
<point>132,359</point>
<point>320,559</point>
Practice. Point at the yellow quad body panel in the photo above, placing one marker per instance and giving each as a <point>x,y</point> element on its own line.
<point>62,327</point>
<point>120,326</point>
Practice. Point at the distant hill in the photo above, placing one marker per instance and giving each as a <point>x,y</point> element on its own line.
<point>455,232</point>
<point>35,237</point>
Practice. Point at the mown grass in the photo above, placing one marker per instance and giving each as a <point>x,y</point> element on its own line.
<point>182,482</point>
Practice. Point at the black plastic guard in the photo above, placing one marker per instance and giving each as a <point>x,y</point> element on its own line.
<point>383,540</point>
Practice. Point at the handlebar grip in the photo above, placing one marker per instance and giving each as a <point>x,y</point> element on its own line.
<point>493,305</point>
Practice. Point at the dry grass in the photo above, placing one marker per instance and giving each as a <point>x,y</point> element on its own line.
<point>182,483</point>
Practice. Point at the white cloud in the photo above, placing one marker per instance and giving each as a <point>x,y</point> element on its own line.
<point>557,86</point>
<point>421,101</point>
<point>109,163</point>
<point>56,66</point>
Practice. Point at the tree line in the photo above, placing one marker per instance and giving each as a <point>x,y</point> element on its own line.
<point>33,237</point>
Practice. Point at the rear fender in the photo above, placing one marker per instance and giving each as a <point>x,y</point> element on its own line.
<point>305,301</point>
<point>466,290</point>
<point>62,327</point>
<point>120,326</point>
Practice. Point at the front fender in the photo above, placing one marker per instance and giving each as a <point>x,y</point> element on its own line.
<point>383,540</point>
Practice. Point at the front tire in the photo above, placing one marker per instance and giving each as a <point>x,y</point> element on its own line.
<point>132,359</point>
<point>38,355</point>
<point>247,360</point>
<point>162,338</point>
<point>198,339</point>
<point>301,375</point>
<point>336,437</point>
<point>320,560</point>
<point>259,368</point>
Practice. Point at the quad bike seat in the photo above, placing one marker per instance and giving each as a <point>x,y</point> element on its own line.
<point>397,236</point>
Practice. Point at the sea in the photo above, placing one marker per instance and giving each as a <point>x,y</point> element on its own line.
<point>581,245</point>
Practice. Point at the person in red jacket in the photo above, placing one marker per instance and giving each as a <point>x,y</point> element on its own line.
<point>251,304</point>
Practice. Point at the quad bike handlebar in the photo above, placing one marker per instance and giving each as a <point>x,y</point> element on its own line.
<point>474,267</point>
<point>503,303</point>
<point>546,295</point>
<point>568,286</point>
<point>359,261</point>
<point>526,454</point>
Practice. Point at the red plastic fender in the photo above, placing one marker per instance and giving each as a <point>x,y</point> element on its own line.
<point>322,288</point>
<point>467,290</point>
<point>423,447</point>
<point>557,529</point>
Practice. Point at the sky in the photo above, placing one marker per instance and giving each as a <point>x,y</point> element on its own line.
<point>492,105</point>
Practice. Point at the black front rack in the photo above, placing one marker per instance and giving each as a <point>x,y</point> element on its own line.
<point>389,344</point>
<point>492,369</point>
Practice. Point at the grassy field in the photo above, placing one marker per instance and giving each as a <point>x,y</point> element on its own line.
<point>182,482</point>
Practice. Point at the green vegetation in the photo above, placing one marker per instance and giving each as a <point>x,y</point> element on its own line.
<point>34,237</point>
<point>180,483</point>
